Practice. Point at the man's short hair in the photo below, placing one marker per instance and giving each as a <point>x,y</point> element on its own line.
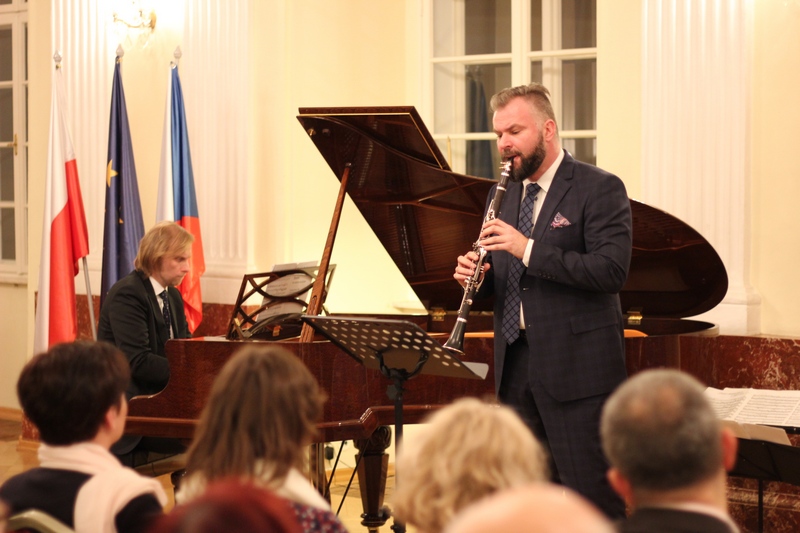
<point>67,391</point>
<point>660,432</point>
<point>164,239</point>
<point>535,93</point>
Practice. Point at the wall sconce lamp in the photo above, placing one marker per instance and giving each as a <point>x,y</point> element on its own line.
<point>134,21</point>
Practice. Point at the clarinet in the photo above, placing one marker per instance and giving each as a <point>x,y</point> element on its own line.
<point>456,341</point>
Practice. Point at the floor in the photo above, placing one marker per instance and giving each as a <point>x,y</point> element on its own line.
<point>15,459</point>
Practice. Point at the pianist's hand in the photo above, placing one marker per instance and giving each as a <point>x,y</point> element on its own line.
<point>466,267</point>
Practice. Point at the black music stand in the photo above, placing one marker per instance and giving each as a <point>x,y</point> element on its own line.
<point>766,461</point>
<point>399,350</point>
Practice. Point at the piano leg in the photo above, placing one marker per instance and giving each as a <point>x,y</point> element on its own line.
<point>372,469</point>
<point>316,461</point>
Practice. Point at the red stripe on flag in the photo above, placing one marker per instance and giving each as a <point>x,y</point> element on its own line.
<point>190,286</point>
<point>63,325</point>
<point>79,237</point>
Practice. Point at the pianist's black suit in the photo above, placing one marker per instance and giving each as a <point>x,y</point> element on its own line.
<point>131,319</point>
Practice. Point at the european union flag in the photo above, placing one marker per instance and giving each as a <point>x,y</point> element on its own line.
<point>124,226</point>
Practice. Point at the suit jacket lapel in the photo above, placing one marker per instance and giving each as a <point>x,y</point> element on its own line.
<point>558,188</point>
<point>155,307</point>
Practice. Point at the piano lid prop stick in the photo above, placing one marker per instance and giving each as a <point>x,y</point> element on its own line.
<point>318,289</point>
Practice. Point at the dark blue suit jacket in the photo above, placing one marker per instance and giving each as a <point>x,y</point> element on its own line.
<point>570,290</point>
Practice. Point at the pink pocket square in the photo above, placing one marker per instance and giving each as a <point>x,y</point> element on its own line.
<point>560,221</point>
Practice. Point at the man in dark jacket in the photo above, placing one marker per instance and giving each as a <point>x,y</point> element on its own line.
<point>140,313</point>
<point>558,254</point>
<point>669,454</point>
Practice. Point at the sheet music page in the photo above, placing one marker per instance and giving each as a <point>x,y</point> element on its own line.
<point>754,406</point>
<point>727,403</point>
<point>289,284</point>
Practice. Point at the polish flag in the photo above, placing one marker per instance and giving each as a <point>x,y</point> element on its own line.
<point>65,239</point>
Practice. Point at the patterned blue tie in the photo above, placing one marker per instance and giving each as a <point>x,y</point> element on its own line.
<point>511,310</point>
<point>165,311</point>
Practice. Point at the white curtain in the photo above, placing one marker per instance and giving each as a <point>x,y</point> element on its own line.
<point>695,134</point>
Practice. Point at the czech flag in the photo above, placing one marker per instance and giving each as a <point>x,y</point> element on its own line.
<point>176,194</point>
<point>65,239</point>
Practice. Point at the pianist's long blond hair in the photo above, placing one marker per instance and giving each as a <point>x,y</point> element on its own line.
<point>262,410</point>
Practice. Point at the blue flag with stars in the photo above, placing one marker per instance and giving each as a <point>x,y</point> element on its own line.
<point>124,225</point>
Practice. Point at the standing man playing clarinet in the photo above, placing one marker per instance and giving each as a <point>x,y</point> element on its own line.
<point>558,255</point>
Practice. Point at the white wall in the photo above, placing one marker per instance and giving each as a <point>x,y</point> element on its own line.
<point>775,165</point>
<point>335,54</point>
<point>13,313</point>
<point>619,90</point>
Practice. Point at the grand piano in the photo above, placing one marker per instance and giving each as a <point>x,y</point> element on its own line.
<point>425,215</point>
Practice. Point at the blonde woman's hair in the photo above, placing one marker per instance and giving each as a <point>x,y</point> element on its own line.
<point>468,450</point>
<point>262,410</point>
<point>164,239</point>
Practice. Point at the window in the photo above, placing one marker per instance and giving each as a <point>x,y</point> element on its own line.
<point>479,47</point>
<point>13,139</point>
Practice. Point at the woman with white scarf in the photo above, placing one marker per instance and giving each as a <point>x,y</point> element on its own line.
<point>75,396</point>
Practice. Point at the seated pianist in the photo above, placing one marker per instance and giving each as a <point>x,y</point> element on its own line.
<point>140,313</point>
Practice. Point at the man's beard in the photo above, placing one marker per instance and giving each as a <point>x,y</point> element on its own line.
<point>528,164</point>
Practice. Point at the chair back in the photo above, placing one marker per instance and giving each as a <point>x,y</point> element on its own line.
<point>36,521</point>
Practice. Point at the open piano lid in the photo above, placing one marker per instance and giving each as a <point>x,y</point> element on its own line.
<point>425,215</point>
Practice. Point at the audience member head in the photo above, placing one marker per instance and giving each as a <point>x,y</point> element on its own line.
<point>163,241</point>
<point>231,505</point>
<point>661,435</point>
<point>538,508</point>
<point>465,452</point>
<point>262,410</point>
<point>74,390</point>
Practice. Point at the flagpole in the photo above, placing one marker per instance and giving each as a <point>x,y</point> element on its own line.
<point>89,299</point>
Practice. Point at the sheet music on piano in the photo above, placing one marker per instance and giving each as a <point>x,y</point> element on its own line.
<point>270,304</point>
<point>760,407</point>
<point>288,285</point>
